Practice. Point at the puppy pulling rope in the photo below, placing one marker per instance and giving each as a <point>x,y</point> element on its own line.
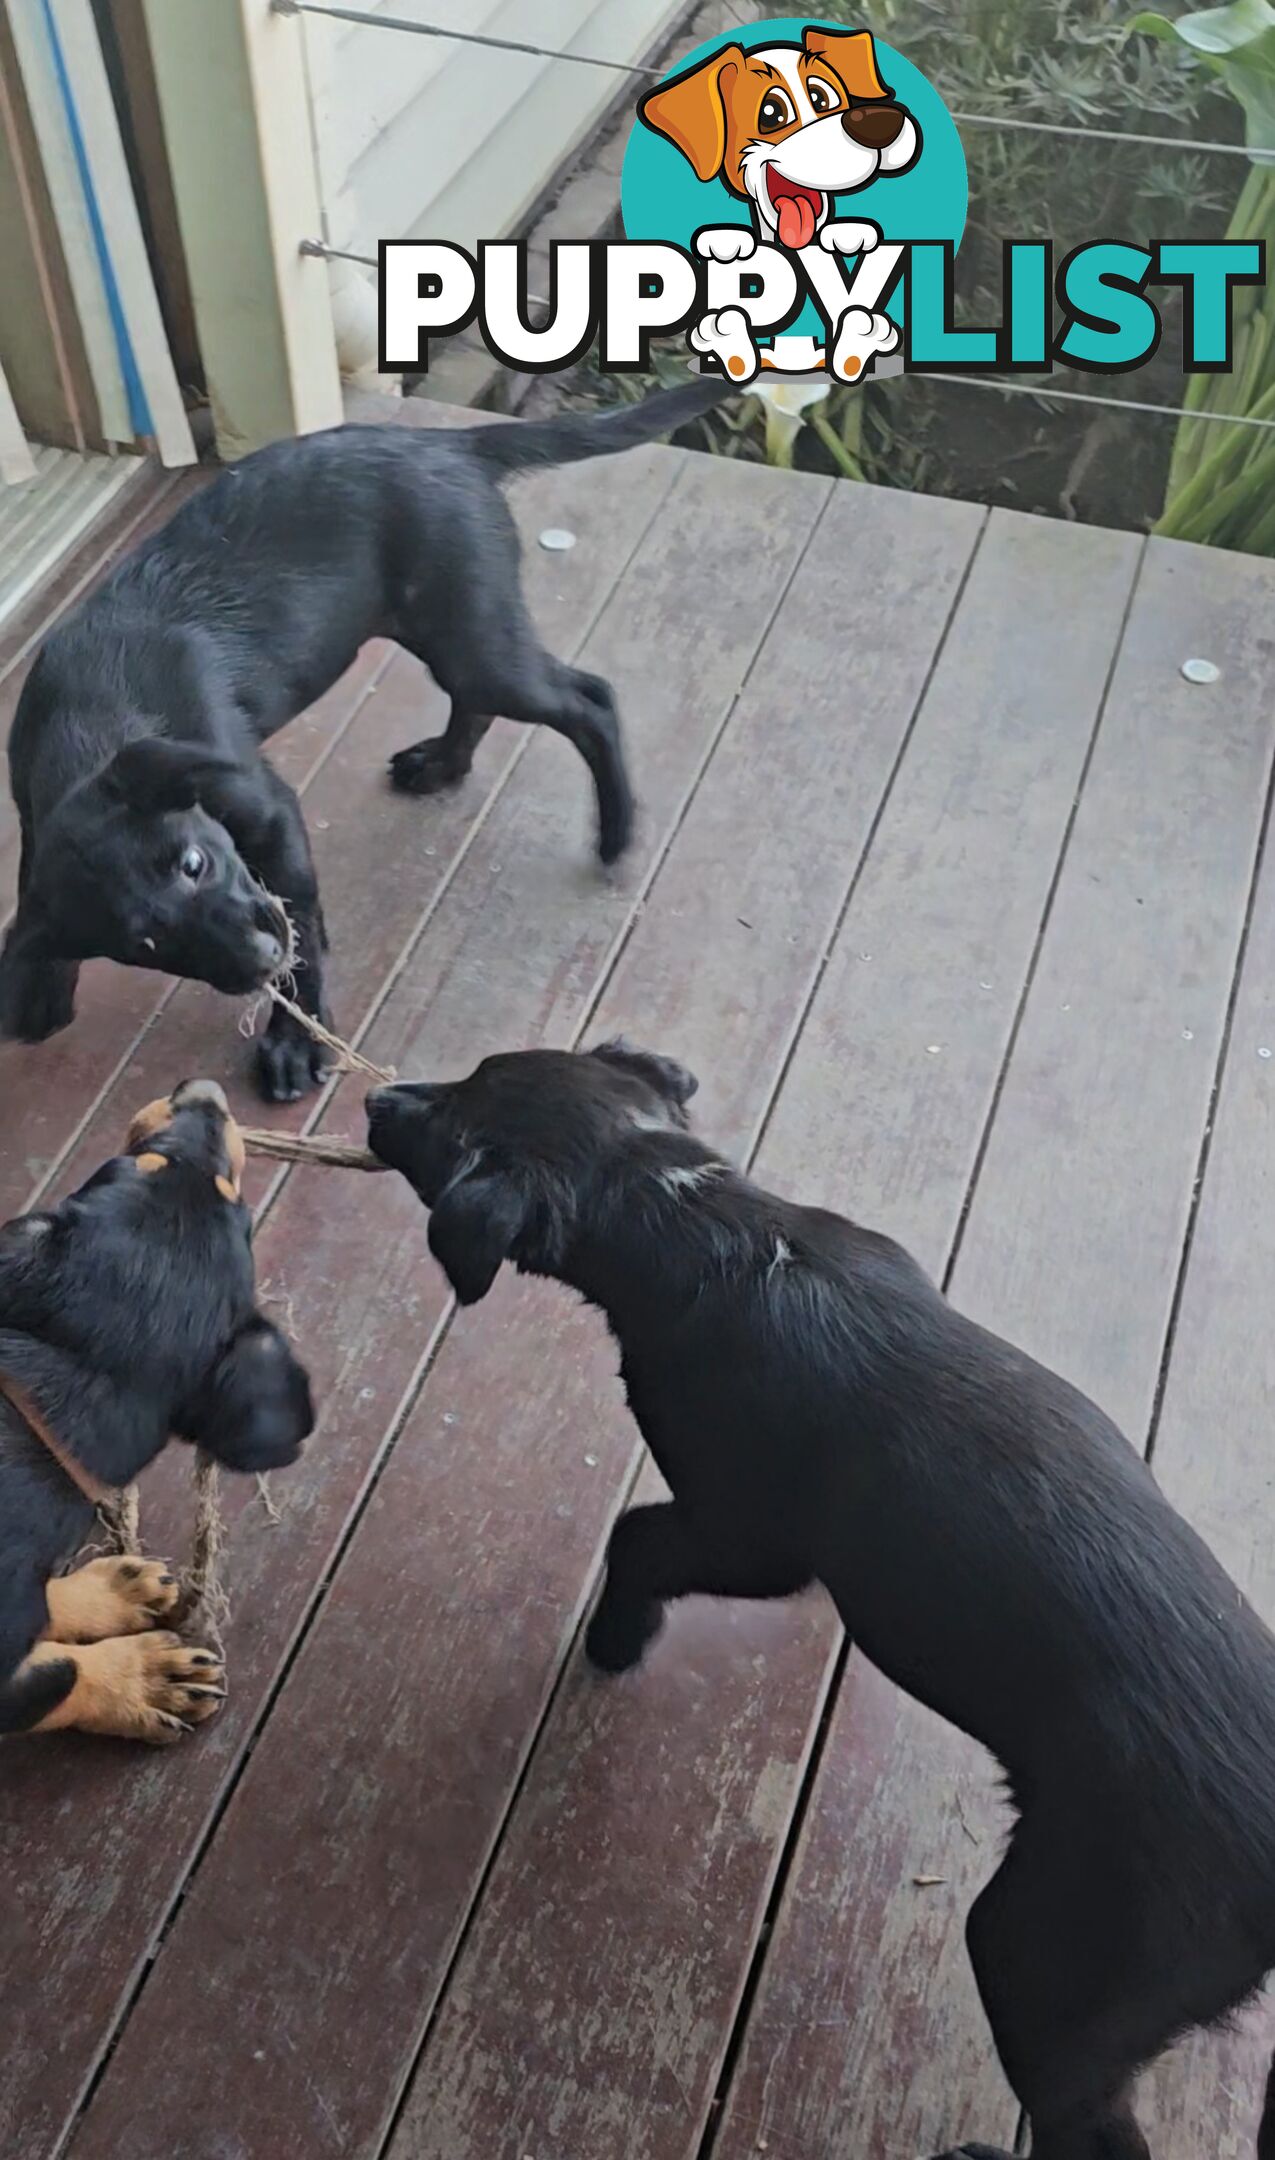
<point>203,1607</point>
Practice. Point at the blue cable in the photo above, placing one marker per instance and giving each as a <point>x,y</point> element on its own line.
<point>139,412</point>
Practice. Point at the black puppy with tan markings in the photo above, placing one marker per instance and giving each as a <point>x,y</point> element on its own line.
<point>992,1542</point>
<point>127,1314</point>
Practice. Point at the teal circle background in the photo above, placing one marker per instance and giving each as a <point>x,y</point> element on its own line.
<point>661,199</point>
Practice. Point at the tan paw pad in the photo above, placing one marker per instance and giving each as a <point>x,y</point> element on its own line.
<point>110,1597</point>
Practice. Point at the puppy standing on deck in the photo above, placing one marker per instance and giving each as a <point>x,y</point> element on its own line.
<point>154,832</point>
<point>127,1314</point>
<point>992,1543</point>
<point>787,128</point>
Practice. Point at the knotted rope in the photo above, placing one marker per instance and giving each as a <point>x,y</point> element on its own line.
<point>203,1607</point>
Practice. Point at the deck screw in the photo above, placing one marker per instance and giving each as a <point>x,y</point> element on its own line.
<point>1264,1053</point>
<point>1201,671</point>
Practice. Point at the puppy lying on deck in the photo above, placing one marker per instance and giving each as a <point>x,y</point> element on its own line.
<point>153,830</point>
<point>992,1543</point>
<point>127,1314</point>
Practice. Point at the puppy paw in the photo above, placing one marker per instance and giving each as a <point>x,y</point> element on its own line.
<point>726,243</point>
<point>145,1687</point>
<point>37,998</point>
<point>425,768</point>
<point>110,1597</point>
<point>618,1635</point>
<point>615,827</point>
<point>290,1063</point>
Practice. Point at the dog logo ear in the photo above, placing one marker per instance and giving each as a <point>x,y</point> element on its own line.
<point>473,1229</point>
<point>691,111</point>
<point>852,56</point>
<point>153,774</point>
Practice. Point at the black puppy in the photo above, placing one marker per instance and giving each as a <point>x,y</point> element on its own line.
<point>153,830</point>
<point>127,1314</point>
<point>992,1542</point>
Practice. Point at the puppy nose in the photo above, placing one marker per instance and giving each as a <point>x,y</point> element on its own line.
<point>200,1091</point>
<point>875,126</point>
<point>269,951</point>
<point>270,916</point>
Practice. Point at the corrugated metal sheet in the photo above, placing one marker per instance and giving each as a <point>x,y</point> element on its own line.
<point>41,519</point>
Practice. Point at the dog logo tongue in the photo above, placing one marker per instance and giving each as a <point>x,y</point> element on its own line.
<point>797,209</point>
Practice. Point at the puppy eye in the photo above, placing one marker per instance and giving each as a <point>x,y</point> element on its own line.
<point>776,112</point>
<point>194,862</point>
<point>821,94</point>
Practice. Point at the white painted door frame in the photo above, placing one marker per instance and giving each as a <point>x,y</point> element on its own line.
<point>230,76</point>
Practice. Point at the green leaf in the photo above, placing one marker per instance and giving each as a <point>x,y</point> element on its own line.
<point>1214,30</point>
<point>1237,43</point>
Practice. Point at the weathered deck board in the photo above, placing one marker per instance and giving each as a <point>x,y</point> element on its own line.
<point>708,1744</point>
<point>455,1877</point>
<point>1213,1455</point>
<point>519,945</point>
<point>157,1815</point>
<point>434,1520</point>
<point>1080,1269</point>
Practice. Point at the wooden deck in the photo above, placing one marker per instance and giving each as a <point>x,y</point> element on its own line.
<point>951,889</point>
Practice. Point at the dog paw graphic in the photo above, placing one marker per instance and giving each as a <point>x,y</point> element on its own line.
<point>860,336</point>
<point>728,337</point>
<point>851,237</point>
<point>726,243</point>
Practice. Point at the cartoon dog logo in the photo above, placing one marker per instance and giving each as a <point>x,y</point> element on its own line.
<point>787,128</point>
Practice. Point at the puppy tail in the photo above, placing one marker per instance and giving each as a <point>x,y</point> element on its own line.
<point>572,436</point>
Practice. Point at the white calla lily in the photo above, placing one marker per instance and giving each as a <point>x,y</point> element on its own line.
<point>786,405</point>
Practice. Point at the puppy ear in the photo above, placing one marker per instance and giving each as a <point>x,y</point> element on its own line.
<point>37,986</point>
<point>254,1409</point>
<point>153,774</point>
<point>473,1229</point>
<point>663,1073</point>
<point>691,111</point>
<point>852,56</point>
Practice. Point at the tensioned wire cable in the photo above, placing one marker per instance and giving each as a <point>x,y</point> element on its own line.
<point>656,74</point>
<point>1042,391</point>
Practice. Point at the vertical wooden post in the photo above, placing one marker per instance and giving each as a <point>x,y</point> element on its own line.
<point>231,81</point>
